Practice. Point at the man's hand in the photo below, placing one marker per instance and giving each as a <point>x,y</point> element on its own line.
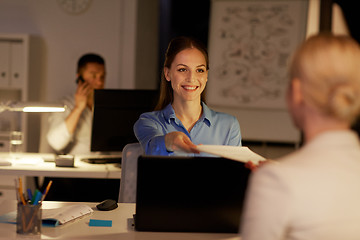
<point>81,95</point>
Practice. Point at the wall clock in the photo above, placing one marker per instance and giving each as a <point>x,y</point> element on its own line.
<point>74,6</point>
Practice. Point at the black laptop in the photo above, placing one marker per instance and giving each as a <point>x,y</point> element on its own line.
<point>189,194</point>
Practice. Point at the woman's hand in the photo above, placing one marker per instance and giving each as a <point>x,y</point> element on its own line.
<point>178,141</point>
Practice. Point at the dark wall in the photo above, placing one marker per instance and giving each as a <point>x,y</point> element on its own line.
<point>352,16</point>
<point>182,18</point>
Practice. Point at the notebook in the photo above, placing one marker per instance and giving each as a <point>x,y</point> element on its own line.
<point>189,194</point>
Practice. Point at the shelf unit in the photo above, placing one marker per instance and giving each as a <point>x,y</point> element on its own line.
<point>14,78</point>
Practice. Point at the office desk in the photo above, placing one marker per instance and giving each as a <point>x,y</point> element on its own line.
<point>39,167</point>
<point>121,226</point>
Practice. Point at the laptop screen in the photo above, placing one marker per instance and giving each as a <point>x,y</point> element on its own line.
<point>189,194</point>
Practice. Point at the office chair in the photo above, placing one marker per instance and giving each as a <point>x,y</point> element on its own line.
<point>130,154</point>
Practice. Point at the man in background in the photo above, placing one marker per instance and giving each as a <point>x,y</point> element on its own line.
<point>70,132</point>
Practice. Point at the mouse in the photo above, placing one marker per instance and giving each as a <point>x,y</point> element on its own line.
<point>107,205</point>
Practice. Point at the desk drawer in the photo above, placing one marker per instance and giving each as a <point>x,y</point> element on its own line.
<point>7,180</point>
<point>7,193</point>
<point>4,145</point>
<point>7,187</point>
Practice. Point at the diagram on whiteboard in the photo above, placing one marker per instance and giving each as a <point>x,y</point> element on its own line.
<point>250,46</point>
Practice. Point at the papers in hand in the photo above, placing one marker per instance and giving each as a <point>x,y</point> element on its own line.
<point>242,154</point>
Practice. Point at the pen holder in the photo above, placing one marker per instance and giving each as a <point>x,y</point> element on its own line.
<point>28,219</point>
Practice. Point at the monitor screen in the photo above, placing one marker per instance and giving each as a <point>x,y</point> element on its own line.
<point>114,114</point>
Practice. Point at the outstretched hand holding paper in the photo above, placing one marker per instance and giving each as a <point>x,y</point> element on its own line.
<point>242,154</point>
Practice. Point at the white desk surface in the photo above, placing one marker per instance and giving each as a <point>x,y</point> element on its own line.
<point>121,226</point>
<point>32,164</point>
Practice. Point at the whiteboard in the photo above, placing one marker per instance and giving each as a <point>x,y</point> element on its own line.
<point>250,43</point>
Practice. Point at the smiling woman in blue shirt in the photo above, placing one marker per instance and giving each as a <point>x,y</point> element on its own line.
<point>181,119</point>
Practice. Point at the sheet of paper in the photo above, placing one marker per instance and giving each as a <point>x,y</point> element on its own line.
<point>28,160</point>
<point>242,154</point>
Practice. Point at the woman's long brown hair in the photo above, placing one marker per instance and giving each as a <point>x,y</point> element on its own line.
<point>175,46</point>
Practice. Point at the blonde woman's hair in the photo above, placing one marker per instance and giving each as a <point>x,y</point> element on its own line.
<point>329,68</point>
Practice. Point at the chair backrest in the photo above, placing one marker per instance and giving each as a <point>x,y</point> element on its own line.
<point>130,154</point>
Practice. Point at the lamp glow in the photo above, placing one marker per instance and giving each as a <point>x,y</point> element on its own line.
<point>31,107</point>
<point>43,109</point>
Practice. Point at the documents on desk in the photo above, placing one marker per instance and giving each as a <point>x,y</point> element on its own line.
<point>242,154</point>
<point>58,216</point>
<point>50,217</point>
<point>82,229</point>
<point>7,159</point>
<point>5,162</point>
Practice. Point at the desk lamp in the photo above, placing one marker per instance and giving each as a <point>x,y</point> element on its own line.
<point>29,107</point>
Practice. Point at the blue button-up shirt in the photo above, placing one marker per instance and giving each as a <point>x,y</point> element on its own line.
<point>214,128</point>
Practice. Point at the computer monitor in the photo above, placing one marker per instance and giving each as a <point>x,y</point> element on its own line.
<point>114,114</point>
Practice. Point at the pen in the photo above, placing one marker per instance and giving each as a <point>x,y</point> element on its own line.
<point>37,198</point>
<point>46,190</point>
<point>34,196</point>
<point>21,192</point>
<point>29,194</point>
<point>17,191</point>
